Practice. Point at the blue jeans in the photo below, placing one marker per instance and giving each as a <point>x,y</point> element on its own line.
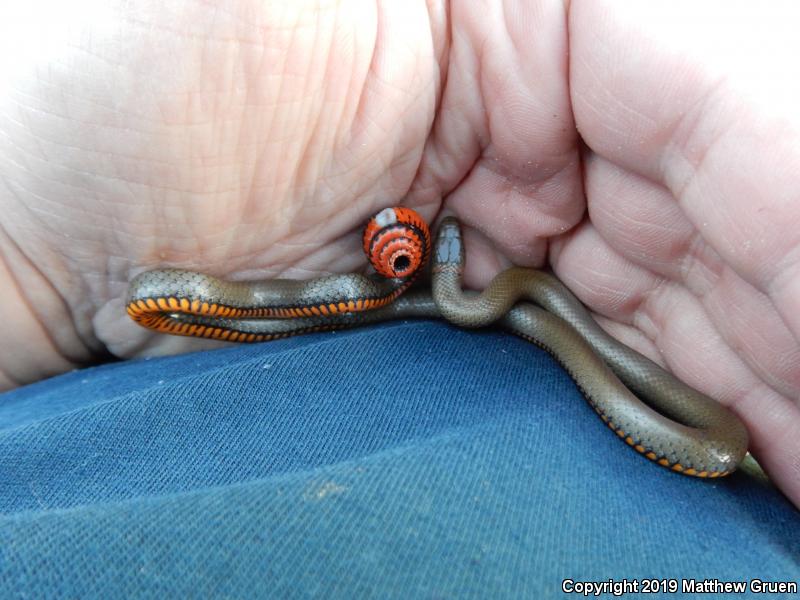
<point>410,459</point>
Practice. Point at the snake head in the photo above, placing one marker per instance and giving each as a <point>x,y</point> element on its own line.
<point>449,248</point>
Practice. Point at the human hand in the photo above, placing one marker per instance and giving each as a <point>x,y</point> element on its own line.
<point>254,142</point>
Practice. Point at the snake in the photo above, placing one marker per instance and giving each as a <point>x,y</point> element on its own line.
<point>651,410</point>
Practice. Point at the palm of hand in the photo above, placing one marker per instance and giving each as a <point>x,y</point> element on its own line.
<point>258,148</point>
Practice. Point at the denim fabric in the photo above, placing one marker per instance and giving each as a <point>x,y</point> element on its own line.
<point>406,460</point>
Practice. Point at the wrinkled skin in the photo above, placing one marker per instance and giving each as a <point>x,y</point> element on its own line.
<point>648,152</point>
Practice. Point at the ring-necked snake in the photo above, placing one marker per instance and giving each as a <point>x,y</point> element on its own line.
<point>679,428</point>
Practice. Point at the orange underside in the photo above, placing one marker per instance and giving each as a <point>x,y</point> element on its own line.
<point>156,314</point>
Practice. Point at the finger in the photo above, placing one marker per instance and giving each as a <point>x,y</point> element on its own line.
<point>704,107</point>
<point>640,221</point>
<point>503,147</point>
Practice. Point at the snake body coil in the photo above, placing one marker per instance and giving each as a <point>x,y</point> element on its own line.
<point>679,428</point>
<point>396,241</point>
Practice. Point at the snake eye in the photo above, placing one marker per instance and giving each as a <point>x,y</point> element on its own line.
<point>397,242</point>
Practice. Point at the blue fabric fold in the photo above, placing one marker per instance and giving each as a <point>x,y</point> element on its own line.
<point>410,459</point>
